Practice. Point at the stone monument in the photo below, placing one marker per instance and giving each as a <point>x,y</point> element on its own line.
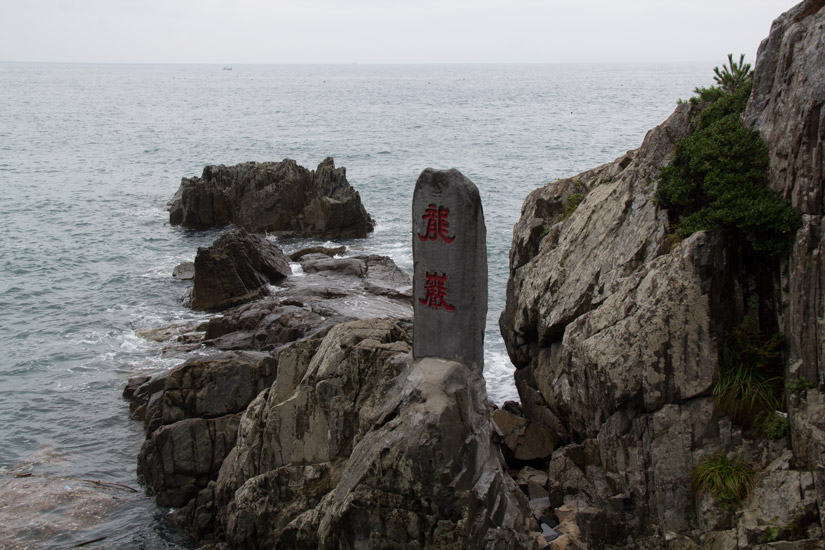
<point>449,269</point>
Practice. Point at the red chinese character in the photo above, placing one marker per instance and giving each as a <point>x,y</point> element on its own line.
<point>436,288</point>
<point>437,224</point>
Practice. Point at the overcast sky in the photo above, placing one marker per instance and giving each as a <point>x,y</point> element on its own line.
<point>383,31</point>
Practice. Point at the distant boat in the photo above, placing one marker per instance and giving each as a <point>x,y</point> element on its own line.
<point>227,68</point>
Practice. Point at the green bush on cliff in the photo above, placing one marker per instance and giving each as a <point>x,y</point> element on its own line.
<point>718,177</point>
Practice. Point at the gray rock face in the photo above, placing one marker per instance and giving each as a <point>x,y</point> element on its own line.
<point>236,269</point>
<point>450,268</point>
<point>357,448</point>
<point>616,330</point>
<point>282,198</point>
<point>786,104</point>
<point>192,420</point>
<point>561,269</point>
<point>787,107</point>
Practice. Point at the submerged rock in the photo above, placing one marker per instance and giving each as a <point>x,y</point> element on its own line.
<point>237,268</point>
<point>39,510</point>
<point>282,198</point>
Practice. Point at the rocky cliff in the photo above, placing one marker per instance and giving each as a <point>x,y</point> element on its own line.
<point>617,329</point>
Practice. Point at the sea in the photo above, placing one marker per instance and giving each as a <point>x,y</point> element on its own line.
<point>91,153</point>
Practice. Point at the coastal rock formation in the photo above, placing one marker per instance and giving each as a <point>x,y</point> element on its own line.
<point>191,414</point>
<point>237,268</point>
<point>350,444</point>
<point>328,291</point>
<point>787,107</point>
<point>355,447</point>
<point>282,198</point>
<point>311,427</point>
<point>191,420</point>
<point>616,328</point>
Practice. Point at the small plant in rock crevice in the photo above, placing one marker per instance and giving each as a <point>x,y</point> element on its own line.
<point>799,385</point>
<point>573,200</point>
<point>774,426</point>
<point>750,386</point>
<point>728,481</point>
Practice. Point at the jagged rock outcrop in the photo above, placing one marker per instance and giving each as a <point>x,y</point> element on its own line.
<point>282,198</point>
<point>347,442</point>
<point>191,417</point>
<point>616,330</point>
<point>237,268</point>
<point>354,447</point>
<point>350,445</point>
<point>191,414</point>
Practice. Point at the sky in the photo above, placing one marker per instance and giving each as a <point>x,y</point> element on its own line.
<point>383,31</point>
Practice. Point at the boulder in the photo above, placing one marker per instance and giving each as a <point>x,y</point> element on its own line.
<point>282,198</point>
<point>184,271</point>
<point>523,441</point>
<point>336,251</point>
<point>237,268</point>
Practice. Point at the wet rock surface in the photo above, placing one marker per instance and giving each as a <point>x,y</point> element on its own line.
<point>281,198</point>
<point>328,291</point>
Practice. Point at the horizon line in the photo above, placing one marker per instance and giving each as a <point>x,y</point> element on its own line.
<point>366,63</point>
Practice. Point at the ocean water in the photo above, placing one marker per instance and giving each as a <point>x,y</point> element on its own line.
<point>90,154</point>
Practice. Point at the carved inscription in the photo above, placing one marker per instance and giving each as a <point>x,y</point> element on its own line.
<point>450,268</point>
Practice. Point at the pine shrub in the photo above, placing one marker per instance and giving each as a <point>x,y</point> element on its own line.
<point>718,177</point>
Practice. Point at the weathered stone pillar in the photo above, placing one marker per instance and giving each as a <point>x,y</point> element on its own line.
<point>449,269</point>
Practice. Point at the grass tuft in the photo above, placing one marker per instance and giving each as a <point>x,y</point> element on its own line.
<point>728,481</point>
